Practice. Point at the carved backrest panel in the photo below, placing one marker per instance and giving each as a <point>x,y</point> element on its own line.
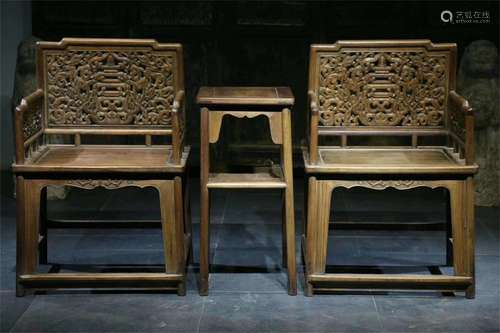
<point>400,83</point>
<point>109,83</point>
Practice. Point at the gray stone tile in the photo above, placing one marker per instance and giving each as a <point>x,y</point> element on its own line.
<point>8,236</point>
<point>92,239</point>
<point>394,259</point>
<point>253,206</point>
<point>132,203</point>
<point>283,313</point>
<point>214,229</point>
<point>341,250</point>
<point>109,257</point>
<point>243,239</point>
<point>487,275</point>
<point>241,260</point>
<point>250,235</point>
<point>79,204</point>
<point>8,273</point>
<point>391,200</point>
<point>111,313</point>
<point>11,308</point>
<point>489,217</point>
<point>439,314</point>
<point>416,242</point>
<point>8,205</point>
<point>249,283</point>
<point>217,205</point>
<point>487,243</point>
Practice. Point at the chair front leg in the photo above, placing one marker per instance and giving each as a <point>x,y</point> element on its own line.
<point>318,218</point>
<point>28,194</point>
<point>188,225</point>
<point>289,234</point>
<point>172,227</point>
<point>462,219</point>
<point>43,246</point>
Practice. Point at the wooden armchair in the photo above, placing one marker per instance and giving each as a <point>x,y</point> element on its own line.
<point>402,88</point>
<point>103,87</point>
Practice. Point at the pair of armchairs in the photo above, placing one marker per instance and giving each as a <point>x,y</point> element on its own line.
<point>114,87</point>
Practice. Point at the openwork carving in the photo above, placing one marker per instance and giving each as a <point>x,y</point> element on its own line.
<point>32,120</point>
<point>106,183</point>
<point>109,87</point>
<point>383,184</point>
<point>382,88</point>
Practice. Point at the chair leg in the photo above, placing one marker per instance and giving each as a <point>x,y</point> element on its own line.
<point>462,218</point>
<point>28,214</point>
<point>449,236</point>
<point>303,234</point>
<point>289,221</point>
<point>43,246</point>
<point>172,228</point>
<point>470,236</point>
<point>290,242</point>
<point>180,231</point>
<point>283,231</point>
<point>204,240</point>
<point>188,221</point>
<point>305,206</point>
<point>320,193</point>
<point>311,190</point>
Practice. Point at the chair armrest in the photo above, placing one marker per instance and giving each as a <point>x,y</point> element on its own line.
<point>461,124</point>
<point>28,124</point>
<point>178,101</point>
<point>178,124</point>
<point>460,103</point>
<point>313,127</point>
<point>313,101</point>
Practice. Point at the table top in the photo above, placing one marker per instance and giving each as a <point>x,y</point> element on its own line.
<point>245,96</point>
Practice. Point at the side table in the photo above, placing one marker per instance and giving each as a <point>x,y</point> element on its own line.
<point>247,102</point>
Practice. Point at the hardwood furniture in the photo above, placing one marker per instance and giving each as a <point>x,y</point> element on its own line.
<point>103,87</point>
<point>247,102</point>
<point>401,88</point>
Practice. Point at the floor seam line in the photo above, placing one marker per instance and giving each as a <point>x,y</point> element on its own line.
<point>22,314</point>
<point>201,315</point>
<point>378,314</point>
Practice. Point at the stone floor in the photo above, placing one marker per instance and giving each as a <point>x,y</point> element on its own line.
<point>247,288</point>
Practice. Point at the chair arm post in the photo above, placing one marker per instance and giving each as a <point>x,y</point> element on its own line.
<point>27,103</point>
<point>18,131</point>
<point>178,127</point>
<point>469,140</point>
<point>313,130</point>
<point>464,116</point>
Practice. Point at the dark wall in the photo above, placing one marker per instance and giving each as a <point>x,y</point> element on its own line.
<point>257,43</point>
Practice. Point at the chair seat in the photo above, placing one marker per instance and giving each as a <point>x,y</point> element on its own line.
<point>388,160</point>
<point>61,158</point>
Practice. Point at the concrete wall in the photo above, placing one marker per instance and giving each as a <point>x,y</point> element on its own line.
<point>15,26</point>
